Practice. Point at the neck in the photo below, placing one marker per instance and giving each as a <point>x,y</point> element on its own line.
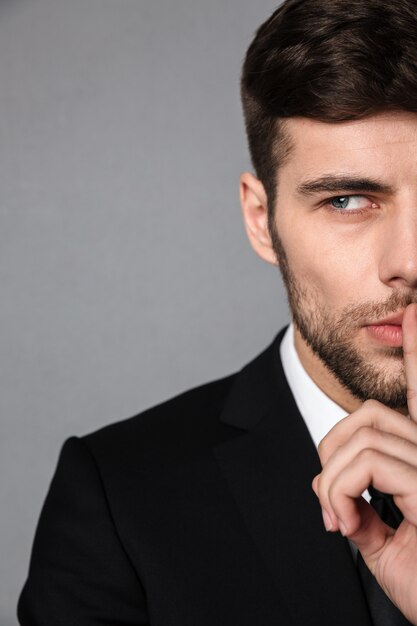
<point>323,377</point>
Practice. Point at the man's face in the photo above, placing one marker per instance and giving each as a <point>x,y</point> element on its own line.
<point>345,234</point>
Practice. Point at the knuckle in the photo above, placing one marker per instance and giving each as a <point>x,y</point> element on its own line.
<point>371,404</point>
<point>321,483</point>
<point>323,490</point>
<point>333,494</point>
<point>367,436</point>
<point>376,411</point>
<point>366,455</point>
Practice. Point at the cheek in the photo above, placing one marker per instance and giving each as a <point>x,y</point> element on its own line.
<point>337,273</point>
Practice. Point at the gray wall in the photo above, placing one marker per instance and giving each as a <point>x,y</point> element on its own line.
<point>124,268</point>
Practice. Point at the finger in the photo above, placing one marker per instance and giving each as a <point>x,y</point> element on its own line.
<point>409,327</point>
<point>371,414</point>
<point>363,439</point>
<point>386,473</point>
<point>373,535</point>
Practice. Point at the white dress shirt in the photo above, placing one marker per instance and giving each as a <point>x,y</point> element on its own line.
<point>318,411</point>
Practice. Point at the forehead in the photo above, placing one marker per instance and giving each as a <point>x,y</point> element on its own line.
<point>384,144</point>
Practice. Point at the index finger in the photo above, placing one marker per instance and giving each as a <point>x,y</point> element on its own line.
<point>409,327</point>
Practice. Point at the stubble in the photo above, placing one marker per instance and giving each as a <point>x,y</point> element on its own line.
<point>331,338</point>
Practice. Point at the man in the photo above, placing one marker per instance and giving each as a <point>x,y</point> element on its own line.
<point>213,508</point>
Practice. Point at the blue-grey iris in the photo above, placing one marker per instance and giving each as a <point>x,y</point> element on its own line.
<point>341,202</point>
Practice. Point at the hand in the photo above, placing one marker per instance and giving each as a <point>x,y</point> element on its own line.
<point>377,445</point>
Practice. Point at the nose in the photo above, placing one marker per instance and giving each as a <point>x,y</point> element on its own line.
<point>398,266</point>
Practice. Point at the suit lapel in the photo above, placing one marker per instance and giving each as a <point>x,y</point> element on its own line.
<point>269,466</point>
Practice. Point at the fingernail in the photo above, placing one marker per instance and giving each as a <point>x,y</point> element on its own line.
<point>342,528</point>
<point>327,520</point>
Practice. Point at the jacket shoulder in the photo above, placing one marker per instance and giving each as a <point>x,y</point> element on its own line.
<point>187,421</point>
<point>182,429</point>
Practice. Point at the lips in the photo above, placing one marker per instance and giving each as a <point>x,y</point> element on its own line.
<point>388,331</point>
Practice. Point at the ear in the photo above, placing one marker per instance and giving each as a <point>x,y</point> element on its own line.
<point>254,204</point>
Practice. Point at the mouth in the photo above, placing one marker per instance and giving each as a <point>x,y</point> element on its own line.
<point>387,331</point>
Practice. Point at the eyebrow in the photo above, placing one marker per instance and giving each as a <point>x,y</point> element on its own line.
<point>334,183</point>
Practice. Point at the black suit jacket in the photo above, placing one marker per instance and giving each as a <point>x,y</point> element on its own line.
<point>198,512</point>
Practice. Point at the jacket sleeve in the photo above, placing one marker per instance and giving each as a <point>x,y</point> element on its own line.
<point>79,573</point>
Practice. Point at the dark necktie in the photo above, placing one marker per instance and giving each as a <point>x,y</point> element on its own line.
<point>383,611</point>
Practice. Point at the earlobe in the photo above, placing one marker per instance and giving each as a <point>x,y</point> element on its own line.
<point>254,205</point>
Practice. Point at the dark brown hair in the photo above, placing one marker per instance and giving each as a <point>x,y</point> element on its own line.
<point>330,60</point>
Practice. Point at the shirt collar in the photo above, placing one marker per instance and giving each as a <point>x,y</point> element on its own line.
<point>319,412</point>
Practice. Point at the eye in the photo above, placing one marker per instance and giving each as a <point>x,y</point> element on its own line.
<point>350,203</point>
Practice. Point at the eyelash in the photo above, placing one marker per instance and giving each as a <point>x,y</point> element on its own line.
<point>328,206</point>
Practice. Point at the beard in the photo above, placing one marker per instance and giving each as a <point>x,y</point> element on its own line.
<point>331,338</point>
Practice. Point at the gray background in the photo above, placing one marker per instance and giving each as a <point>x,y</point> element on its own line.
<point>125,272</point>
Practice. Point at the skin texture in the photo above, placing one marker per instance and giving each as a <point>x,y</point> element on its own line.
<point>346,266</point>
